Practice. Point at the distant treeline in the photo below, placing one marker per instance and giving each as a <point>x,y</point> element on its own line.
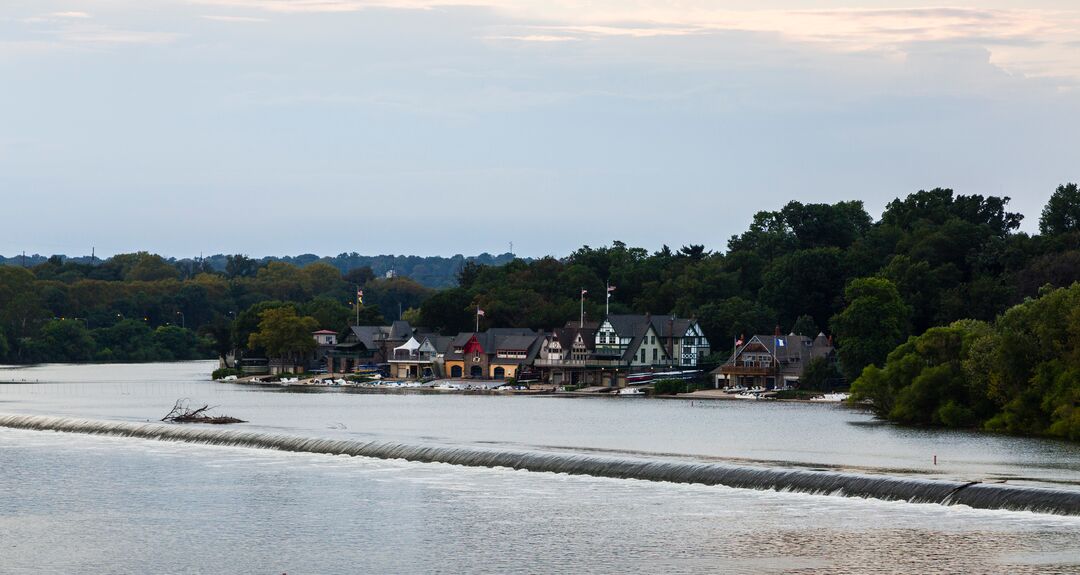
<point>429,271</point>
<point>932,259</point>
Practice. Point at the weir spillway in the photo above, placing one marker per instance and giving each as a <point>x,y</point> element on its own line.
<point>890,488</point>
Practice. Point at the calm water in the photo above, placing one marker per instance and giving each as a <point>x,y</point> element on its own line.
<point>73,503</point>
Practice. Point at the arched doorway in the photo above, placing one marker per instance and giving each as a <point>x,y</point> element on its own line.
<point>455,371</point>
<point>500,373</point>
<point>476,371</point>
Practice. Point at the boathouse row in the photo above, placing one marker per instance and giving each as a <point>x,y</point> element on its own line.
<point>581,353</point>
<point>596,353</point>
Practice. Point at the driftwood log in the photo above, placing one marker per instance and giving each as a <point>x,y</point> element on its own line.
<point>182,413</point>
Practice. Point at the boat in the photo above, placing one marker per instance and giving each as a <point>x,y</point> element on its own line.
<point>831,397</point>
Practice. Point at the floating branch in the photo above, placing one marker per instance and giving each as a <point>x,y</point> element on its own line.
<point>182,413</point>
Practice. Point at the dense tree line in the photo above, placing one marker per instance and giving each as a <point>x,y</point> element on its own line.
<point>139,307</point>
<point>934,258</point>
<point>429,271</point>
<point>1019,374</point>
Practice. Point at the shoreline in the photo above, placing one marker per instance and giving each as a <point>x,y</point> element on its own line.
<point>429,388</point>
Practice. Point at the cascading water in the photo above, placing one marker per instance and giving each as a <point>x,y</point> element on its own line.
<point>978,495</point>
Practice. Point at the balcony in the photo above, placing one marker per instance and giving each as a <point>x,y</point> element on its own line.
<point>752,370</point>
<point>579,363</point>
<point>404,356</point>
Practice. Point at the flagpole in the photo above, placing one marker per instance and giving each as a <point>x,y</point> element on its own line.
<point>581,325</point>
<point>477,318</point>
<point>357,304</point>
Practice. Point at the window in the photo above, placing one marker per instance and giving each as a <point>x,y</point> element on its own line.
<point>643,355</point>
<point>653,339</point>
<point>654,352</point>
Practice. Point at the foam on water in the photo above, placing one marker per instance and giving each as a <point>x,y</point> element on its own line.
<point>915,490</point>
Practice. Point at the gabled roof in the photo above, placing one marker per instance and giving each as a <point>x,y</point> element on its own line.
<point>629,325</point>
<point>324,332</point>
<point>515,342</point>
<point>567,336</point>
<point>489,340</point>
<point>441,343</point>
<point>793,346</point>
<point>665,326</point>
<point>367,334</point>
<point>400,330</point>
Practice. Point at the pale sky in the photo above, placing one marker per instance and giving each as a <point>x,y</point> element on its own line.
<point>434,127</point>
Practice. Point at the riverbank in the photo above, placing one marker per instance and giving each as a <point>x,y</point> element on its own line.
<point>502,387</point>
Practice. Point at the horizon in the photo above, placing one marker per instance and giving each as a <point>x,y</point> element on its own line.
<point>1028,225</point>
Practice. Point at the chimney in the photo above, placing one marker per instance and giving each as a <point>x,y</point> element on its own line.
<point>777,334</point>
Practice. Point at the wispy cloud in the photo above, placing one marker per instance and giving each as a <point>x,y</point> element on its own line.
<point>73,14</point>
<point>219,18</point>
<point>110,36</point>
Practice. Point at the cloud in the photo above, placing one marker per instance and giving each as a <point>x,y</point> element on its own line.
<point>233,18</point>
<point>111,36</point>
<point>77,15</point>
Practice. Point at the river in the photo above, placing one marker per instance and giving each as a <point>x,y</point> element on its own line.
<point>82,503</point>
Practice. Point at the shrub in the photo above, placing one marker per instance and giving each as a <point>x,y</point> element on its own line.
<point>225,372</point>
<point>671,386</point>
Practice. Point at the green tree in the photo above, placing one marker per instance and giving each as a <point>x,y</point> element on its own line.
<point>283,334</point>
<point>448,311</point>
<point>924,380</point>
<point>820,375</point>
<point>874,322</point>
<point>806,326</point>
<point>63,340</point>
<point>1062,212</point>
<point>150,267</point>
<point>177,343</point>
<point>20,302</point>
<point>804,282</point>
<point>240,266</point>
<point>329,313</point>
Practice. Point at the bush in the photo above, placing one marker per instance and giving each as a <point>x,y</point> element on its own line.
<point>671,386</point>
<point>226,372</point>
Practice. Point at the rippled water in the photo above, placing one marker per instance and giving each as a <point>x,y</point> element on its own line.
<point>75,503</point>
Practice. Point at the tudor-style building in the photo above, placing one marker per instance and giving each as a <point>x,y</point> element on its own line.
<point>771,361</point>
<point>567,357</point>
<point>633,340</point>
<point>683,339</point>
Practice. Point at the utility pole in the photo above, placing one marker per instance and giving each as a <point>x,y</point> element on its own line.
<point>581,324</point>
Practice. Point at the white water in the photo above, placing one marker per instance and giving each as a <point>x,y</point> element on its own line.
<point>80,503</point>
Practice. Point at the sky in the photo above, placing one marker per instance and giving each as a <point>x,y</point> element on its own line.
<point>435,127</point>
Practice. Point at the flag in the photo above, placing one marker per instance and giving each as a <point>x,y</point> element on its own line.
<point>583,292</point>
<point>738,342</point>
<point>479,312</point>
<point>360,295</point>
<point>609,290</point>
<point>780,342</point>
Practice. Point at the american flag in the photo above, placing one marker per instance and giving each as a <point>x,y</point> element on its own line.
<point>479,312</point>
<point>610,289</point>
<point>584,291</point>
<point>360,295</point>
